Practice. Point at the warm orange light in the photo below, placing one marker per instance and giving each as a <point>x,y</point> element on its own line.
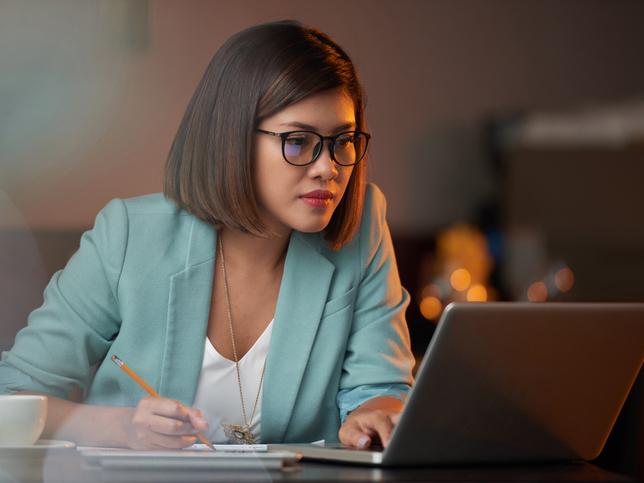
<point>431,308</point>
<point>564,279</point>
<point>537,292</point>
<point>460,279</point>
<point>477,293</point>
<point>464,246</point>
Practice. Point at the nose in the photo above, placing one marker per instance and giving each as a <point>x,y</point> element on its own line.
<point>324,167</point>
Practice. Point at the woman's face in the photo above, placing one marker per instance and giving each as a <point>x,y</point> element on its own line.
<point>281,187</point>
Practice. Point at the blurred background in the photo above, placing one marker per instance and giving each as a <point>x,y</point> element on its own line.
<point>508,137</point>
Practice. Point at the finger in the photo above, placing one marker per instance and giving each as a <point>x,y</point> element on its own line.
<point>142,437</point>
<point>377,422</point>
<point>164,407</point>
<point>170,426</point>
<point>197,419</point>
<point>156,440</point>
<point>174,409</point>
<point>383,426</point>
<point>352,435</point>
<point>191,418</point>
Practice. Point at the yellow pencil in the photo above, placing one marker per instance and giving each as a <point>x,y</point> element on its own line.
<point>152,392</point>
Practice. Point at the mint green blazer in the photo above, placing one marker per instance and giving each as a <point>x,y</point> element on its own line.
<point>140,287</point>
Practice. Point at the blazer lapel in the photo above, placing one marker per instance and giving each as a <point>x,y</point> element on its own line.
<point>303,293</point>
<point>188,310</point>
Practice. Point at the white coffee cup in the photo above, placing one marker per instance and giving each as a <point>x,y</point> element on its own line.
<point>22,419</point>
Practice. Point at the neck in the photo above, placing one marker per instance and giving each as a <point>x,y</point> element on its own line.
<point>245,251</point>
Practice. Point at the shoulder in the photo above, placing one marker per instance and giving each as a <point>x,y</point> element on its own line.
<point>373,225</point>
<point>148,219</point>
<point>153,203</point>
<point>374,195</point>
<point>375,210</point>
<point>121,211</point>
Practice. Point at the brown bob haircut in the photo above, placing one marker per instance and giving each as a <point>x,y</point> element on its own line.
<point>255,74</point>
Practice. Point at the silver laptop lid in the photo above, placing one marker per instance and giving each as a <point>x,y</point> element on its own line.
<point>520,382</point>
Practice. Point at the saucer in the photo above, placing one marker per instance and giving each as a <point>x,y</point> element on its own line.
<point>40,446</point>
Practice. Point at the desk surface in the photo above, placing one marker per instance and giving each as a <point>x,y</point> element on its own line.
<point>66,466</point>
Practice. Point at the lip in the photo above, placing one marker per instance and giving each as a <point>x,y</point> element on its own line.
<point>318,195</point>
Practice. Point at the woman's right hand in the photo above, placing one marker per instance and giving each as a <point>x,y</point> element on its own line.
<point>159,422</point>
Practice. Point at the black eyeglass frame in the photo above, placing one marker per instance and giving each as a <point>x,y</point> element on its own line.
<point>284,135</point>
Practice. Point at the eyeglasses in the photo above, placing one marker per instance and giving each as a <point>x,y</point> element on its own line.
<point>301,148</point>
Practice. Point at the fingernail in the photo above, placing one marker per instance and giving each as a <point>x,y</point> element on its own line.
<point>363,442</point>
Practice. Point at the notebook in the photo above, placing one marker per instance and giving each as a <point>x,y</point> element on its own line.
<point>197,457</point>
<point>513,382</point>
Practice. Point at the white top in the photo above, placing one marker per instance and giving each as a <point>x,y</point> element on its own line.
<point>218,390</point>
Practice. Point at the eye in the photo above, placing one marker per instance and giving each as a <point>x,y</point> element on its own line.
<point>345,140</point>
<point>298,140</point>
<point>295,141</point>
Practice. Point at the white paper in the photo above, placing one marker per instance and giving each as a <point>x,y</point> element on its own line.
<point>236,448</point>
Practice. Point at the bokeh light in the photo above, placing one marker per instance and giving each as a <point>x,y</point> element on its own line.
<point>564,279</point>
<point>431,307</point>
<point>460,279</point>
<point>537,292</point>
<point>477,293</point>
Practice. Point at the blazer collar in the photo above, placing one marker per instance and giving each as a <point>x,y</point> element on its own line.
<point>303,292</point>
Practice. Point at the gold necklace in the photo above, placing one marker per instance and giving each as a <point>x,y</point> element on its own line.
<point>238,433</point>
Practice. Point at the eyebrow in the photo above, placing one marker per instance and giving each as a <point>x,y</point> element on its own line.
<point>308,127</point>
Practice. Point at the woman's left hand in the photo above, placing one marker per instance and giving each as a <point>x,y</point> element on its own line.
<point>375,419</point>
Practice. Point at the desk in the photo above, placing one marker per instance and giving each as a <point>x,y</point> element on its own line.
<point>66,466</point>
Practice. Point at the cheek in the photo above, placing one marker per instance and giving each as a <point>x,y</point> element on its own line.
<point>275,182</point>
<point>265,169</point>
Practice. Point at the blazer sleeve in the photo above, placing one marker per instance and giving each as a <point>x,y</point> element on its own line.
<point>79,318</point>
<point>378,360</point>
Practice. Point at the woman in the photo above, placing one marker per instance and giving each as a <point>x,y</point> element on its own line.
<point>258,294</point>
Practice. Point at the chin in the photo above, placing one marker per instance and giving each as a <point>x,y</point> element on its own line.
<point>312,226</point>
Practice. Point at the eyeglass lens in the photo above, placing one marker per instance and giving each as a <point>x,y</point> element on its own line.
<point>303,147</point>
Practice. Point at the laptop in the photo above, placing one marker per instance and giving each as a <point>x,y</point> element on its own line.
<point>513,382</point>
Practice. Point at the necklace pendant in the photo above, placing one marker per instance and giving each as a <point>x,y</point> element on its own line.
<point>239,434</point>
